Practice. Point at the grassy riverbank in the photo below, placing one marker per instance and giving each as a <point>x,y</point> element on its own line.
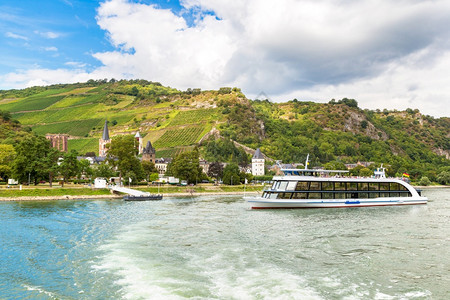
<point>74,191</point>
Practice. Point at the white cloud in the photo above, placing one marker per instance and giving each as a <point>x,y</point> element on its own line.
<point>16,36</point>
<point>48,34</point>
<point>75,64</point>
<point>53,49</point>
<point>39,76</point>
<point>385,54</point>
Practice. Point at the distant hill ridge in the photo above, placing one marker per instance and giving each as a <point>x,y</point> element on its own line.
<point>175,121</point>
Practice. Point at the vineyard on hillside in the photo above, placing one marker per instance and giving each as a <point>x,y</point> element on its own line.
<point>83,145</point>
<point>172,152</point>
<point>31,103</point>
<point>192,116</point>
<point>178,137</point>
<point>75,128</point>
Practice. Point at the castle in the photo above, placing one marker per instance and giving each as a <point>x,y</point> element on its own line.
<point>58,141</point>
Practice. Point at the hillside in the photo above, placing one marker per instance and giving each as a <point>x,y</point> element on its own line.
<point>10,130</point>
<point>176,120</point>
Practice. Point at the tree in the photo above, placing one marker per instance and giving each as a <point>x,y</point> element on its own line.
<point>103,170</point>
<point>231,174</point>
<point>424,181</point>
<point>69,166</point>
<point>148,167</point>
<point>186,166</point>
<point>149,170</point>
<point>215,170</point>
<point>444,177</point>
<point>85,168</point>
<point>51,164</point>
<point>335,165</point>
<point>32,161</point>
<point>7,155</point>
<point>365,172</point>
<point>122,155</point>
<point>355,171</point>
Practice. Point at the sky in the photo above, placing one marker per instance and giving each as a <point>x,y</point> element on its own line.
<point>385,54</point>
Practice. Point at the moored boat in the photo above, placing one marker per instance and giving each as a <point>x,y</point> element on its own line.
<point>150,197</point>
<point>308,188</point>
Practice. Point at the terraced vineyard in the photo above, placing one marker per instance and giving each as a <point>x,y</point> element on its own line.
<point>172,152</point>
<point>83,145</point>
<point>170,119</point>
<point>31,103</point>
<point>76,128</point>
<point>193,116</point>
<point>178,137</point>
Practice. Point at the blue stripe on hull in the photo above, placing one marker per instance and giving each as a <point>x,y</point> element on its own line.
<point>332,204</point>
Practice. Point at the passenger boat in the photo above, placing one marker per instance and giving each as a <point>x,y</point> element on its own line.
<point>308,188</point>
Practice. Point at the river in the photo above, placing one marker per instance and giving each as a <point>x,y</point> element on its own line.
<point>214,247</point>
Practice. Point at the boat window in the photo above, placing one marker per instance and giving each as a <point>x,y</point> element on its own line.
<point>327,186</point>
<point>302,186</point>
<point>393,186</point>
<point>273,196</point>
<point>363,195</point>
<point>299,196</point>
<point>384,186</point>
<point>314,196</point>
<point>374,186</point>
<point>352,186</point>
<point>351,195</point>
<point>291,185</point>
<point>384,194</point>
<point>282,186</point>
<point>363,186</point>
<point>275,183</point>
<point>394,194</point>
<point>327,195</point>
<point>374,195</point>
<point>284,196</point>
<point>339,195</point>
<point>314,186</point>
<point>339,186</point>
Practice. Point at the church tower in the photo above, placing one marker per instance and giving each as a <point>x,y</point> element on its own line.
<point>149,153</point>
<point>139,140</point>
<point>258,163</point>
<point>103,141</point>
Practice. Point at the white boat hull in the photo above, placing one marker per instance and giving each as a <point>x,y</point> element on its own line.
<point>262,203</point>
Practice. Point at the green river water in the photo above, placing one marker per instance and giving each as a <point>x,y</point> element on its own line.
<point>214,247</point>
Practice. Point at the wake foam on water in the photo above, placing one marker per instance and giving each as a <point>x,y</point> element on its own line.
<point>145,269</point>
<point>40,290</point>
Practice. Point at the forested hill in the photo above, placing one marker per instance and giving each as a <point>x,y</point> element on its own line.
<point>175,121</point>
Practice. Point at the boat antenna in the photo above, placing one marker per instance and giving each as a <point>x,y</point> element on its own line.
<point>307,162</point>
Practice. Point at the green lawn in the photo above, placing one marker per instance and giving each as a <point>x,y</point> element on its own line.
<point>55,191</point>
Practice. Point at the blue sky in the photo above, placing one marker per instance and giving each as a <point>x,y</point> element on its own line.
<point>384,54</point>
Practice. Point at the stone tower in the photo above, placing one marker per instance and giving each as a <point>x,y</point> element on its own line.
<point>149,153</point>
<point>103,141</point>
<point>139,140</point>
<point>258,163</point>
